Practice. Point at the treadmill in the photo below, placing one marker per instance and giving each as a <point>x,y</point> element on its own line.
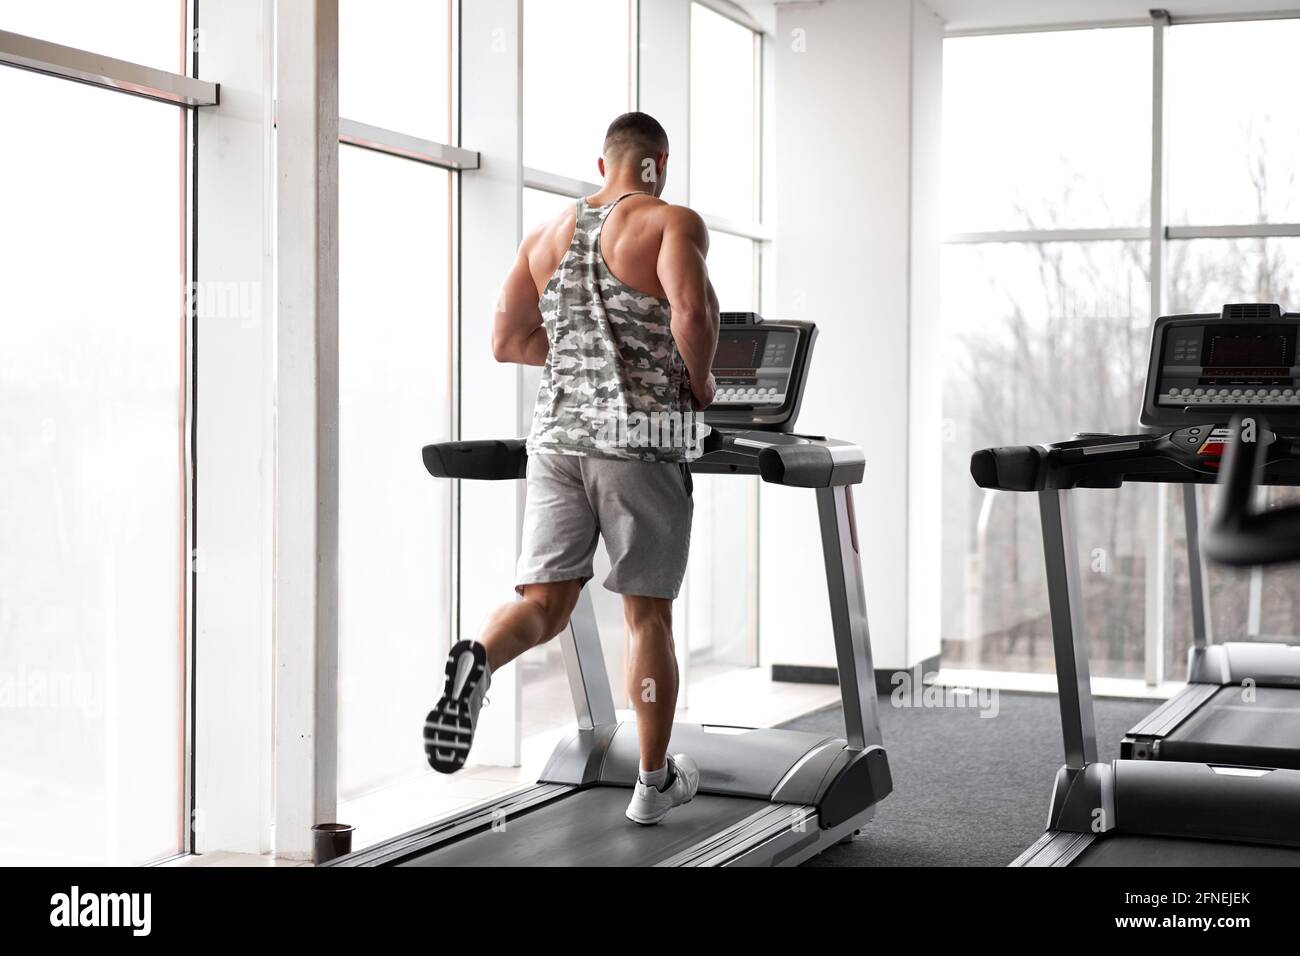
<point>1218,810</point>
<point>1200,374</point>
<point>767,796</point>
<point>1205,368</point>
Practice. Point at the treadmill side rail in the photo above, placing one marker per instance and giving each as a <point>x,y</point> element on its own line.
<point>449,829</point>
<point>1055,848</point>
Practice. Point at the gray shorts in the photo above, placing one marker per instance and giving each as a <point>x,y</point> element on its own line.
<point>642,509</point>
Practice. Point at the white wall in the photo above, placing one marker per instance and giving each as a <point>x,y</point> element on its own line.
<point>846,77</point>
<point>925,391</point>
<point>233,583</point>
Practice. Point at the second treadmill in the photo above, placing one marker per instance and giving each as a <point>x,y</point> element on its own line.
<point>1213,810</point>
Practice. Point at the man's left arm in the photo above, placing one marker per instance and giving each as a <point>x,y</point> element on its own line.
<point>517,332</point>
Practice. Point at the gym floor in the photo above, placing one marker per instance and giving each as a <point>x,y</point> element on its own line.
<point>968,790</point>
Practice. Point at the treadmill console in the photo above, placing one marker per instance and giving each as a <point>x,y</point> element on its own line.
<point>1208,367</point>
<point>760,367</point>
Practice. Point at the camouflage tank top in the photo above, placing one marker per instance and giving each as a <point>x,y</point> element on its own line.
<point>614,384</point>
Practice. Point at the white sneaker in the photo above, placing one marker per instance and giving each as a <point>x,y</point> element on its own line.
<point>650,805</point>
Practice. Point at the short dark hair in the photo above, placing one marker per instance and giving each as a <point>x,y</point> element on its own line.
<point>635,134</point>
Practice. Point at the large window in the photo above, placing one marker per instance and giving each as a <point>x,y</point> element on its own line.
<point>1233,130</point>
<point>395,392</point>
<point>577,77</point>
<point>92,450</point>
<point>1047,300</point>
<point>1040,153</point>
<point>724,116</point>
<point>1233,123</point>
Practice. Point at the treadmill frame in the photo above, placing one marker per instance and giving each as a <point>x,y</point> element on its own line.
<point>822,789</point>
<point>1171,799</point>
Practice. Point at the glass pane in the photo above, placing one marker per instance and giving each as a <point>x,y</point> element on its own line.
<point>577,78</point>
<point>724,116</point>
<point>1047,130</point>
<point>1043,340</point>
<point>1206,273</point>
<point>731,270</point>
<point>394,520</point>
<point>1246,604</point>
<point>721,600</point>
<point>1233,122</point>
<point>395,65</point>
<point>150,32</point>
<point>539,206</point>
<point>92,444</point>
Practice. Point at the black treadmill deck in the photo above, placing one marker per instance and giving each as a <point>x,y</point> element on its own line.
<point>1227,730</point>
<point>588,828</point>
<point>1134,850</point>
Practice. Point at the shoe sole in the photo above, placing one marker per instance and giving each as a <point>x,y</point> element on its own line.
<point>449,727</point>
<point>651,821</point>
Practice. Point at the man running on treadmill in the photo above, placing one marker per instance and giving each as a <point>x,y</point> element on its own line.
<point>613,300</point>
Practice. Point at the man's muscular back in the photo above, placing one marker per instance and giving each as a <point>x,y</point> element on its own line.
<point>630,242</point>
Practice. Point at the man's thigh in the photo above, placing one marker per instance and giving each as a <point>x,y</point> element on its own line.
<point>559,534</point>
<point>644,511</point>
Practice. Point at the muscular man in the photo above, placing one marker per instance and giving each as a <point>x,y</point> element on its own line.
<point>612,298</point>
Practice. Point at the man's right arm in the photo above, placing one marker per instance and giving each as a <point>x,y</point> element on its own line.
<point>685,280</point>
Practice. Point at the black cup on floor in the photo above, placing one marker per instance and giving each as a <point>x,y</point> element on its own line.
<point>330,840</point>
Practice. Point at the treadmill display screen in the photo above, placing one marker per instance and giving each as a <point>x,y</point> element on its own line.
<point>743,353</point>
<point>738,350</point>
<point>1267,351</point>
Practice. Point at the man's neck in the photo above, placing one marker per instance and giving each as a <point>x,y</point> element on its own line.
<point>620,186</point>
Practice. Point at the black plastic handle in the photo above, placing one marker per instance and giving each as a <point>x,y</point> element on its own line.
<point>1238,534</point>
<point>1012,468</point>
<point>490,460</point>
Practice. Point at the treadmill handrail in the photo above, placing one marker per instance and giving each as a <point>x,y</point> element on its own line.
<point>1238,533</point>
<point>780,458</point>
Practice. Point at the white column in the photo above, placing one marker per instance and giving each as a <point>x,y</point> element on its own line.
<point>926,429</point>
<point>1157,496</point>
<point>664,84</point>
<point>306,454</point>
<point>491,228</point>
<point>852,254</point>
<point>233,561</point>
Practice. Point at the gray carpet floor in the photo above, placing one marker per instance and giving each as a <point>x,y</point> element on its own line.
<point>968,790</point>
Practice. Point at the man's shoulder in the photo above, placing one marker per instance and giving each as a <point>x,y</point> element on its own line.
<point>669,216</point>
<point>684,221</point>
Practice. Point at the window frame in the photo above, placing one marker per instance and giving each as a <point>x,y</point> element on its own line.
<point>1158,233</point>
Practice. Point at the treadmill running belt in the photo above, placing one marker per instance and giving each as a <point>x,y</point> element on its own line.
<point>1126,850</point>
<point>1226,729</point>
<point>589,829</point>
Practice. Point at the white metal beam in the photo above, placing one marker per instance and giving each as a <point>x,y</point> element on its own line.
<point>41,56</point>
<point>234,587</point>
<point>490,229</point>
<point>1157,496</point>
<point>1051,235</point>
<point>306,454</point>
<point>407,147</point>
<point>1227,16</point>
<point>1261,230</point>
<point>733,12</point>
